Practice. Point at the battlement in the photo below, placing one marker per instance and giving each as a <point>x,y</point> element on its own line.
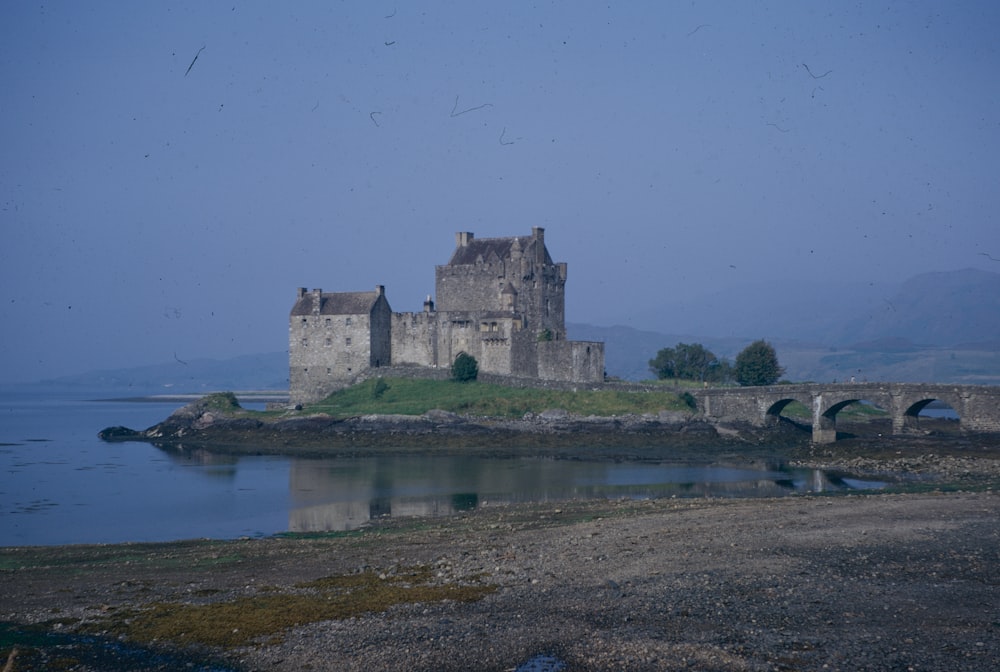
<point>494,298</point>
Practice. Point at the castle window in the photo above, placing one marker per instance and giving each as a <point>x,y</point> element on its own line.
<point>329,341</point>
<point>347,321</point>
<point>328,321</point>
<point>305,321</point>
<point>328,371</point>
<point>494,327</point>
<point>348,341</point>
<point>305,342</point>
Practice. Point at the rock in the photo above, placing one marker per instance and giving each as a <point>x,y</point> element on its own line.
<point>118,432</point>
<point>439,416</point>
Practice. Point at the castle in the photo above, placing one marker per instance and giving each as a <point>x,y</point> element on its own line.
<point>501,300</point>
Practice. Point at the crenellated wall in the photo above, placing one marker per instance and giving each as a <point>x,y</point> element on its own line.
<point>574,360</point>
<point>501,300</point>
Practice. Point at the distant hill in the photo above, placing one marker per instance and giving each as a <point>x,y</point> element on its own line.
<point>943,309</point>
<point>628,352</point>
<point>935,327</point>
<point>267,371</point>
<point>940,308</point>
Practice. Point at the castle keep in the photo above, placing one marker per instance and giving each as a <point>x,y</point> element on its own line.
<point>501,300</point>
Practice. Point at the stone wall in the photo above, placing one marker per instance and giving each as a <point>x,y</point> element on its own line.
<point>460,287</point>
<point>576,361</point>
<point>978,407</point>
<point>415,338</point>
<point>326,352</point>
<point>493,302</point>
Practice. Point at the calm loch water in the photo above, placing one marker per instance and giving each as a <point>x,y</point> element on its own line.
<point>60,484</point>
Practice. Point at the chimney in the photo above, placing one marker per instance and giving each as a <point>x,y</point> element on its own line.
<point>462,238</point>
<point>301,292</point>
<point>428,304</point>
<point>538,233</point>
<point>317,301</point>
<point>379,290</point>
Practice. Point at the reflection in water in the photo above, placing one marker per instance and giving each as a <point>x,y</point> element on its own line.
<point>343,494</point>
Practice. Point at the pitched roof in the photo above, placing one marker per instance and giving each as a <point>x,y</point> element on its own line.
<point>487,248</point>
<point>336,303</point>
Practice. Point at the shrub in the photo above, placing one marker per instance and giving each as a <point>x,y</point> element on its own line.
<point>758,364</point>
<point>688,400</point>
<point>465,368</point>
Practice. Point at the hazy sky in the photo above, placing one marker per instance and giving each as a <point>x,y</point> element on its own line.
<point>171,172</point>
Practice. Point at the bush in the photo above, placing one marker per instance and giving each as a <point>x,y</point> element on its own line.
<point>688,400</point>
<point>379,388</point>
<point>465,368</point>
<point>758,365</point>
<point>221,401</point>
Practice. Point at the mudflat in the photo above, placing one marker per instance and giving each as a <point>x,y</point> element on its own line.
<point>895,581</point>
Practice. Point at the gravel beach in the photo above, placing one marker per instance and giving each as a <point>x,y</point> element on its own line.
<point>904,581</point>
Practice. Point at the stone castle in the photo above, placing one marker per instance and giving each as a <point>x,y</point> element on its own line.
<point>501,300</point>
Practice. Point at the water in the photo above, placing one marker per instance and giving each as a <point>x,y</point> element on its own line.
<point>60,484</point>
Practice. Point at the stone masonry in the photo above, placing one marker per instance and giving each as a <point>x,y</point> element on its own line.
<point>977,406</point>
<point>501,300</point>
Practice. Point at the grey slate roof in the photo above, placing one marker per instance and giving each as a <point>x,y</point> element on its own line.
<point>485,247</point>
<point>337,303</point>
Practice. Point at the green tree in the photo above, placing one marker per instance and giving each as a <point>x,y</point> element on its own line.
<point>758,364</point>
<point>464,368</point>
<point>687,361</point>
<point>721,371</point>
<point>664,365</point>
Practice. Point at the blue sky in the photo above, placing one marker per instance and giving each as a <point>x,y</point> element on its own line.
<point>171,172</point>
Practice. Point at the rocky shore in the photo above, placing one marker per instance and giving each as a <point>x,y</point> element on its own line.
<point>203,424</point>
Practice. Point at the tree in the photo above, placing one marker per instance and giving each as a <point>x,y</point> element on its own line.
<point>687,361</point>
<point>758,364</point>
<point>664,365</point>
<point>721,372</point>
<point>464,368</point>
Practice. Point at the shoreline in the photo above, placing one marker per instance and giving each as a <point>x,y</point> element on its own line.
<point>816,581</point>
<point>871,581</point>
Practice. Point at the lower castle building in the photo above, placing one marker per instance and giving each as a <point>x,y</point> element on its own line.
<point>501,300</point>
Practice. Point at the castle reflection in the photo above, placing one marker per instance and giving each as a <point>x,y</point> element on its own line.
<point>345,494</point>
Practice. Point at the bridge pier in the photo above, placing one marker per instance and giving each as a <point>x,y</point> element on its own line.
<point>978,406</point>
<point>905,423</point>
<point>824,427</point>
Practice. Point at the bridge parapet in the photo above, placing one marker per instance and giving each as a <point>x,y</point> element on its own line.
<point>978,406</point>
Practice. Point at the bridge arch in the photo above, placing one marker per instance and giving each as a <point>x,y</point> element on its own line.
<point>772,412</point>
<point>828,403</point>
<point>908,421</point>
<point>978,406</point>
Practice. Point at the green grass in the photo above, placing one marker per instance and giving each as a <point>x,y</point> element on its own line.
<point>414,397</point>
<point>242,620</point>
<point>857,412</point>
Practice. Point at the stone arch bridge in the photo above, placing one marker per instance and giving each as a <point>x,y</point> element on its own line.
<point>977,406</point>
